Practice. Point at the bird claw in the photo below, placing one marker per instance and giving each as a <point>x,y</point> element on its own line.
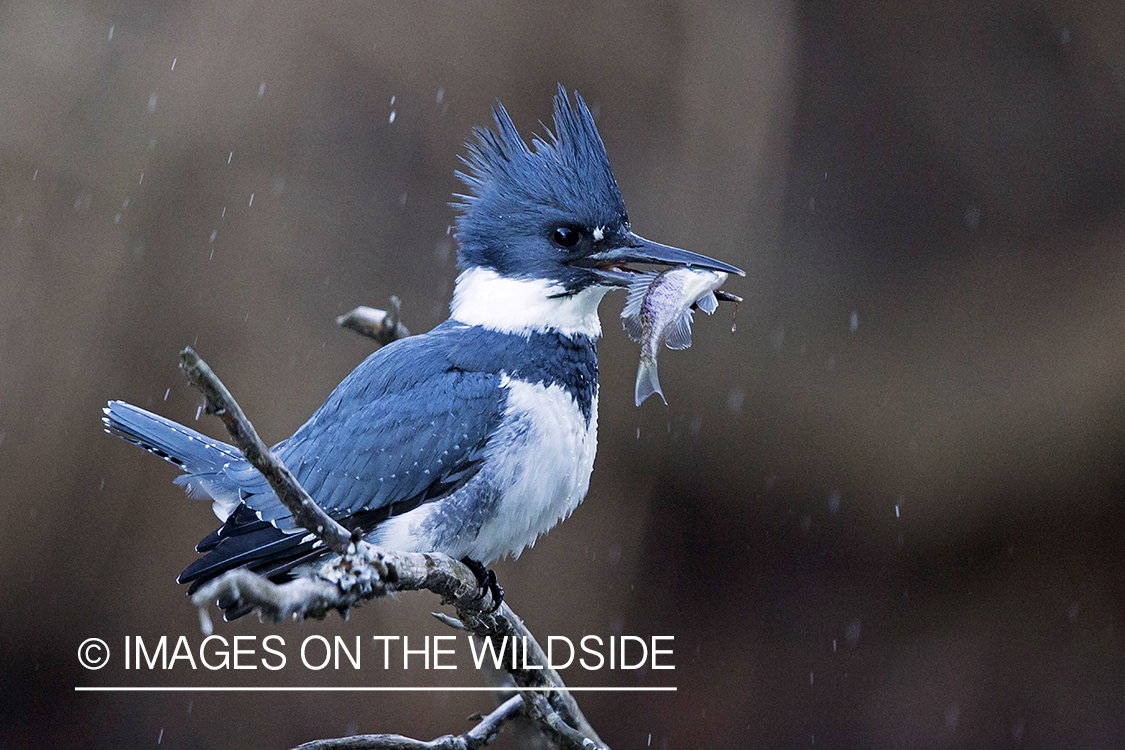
<point>486,579</point>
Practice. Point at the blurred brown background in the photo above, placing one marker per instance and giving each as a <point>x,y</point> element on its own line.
<point>886,513</point>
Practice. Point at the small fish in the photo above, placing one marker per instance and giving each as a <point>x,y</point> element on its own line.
<point>659,311</point>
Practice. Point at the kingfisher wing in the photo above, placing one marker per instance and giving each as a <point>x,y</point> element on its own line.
<point>406,427</point>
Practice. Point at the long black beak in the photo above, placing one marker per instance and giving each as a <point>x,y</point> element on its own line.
<point>608,264</point>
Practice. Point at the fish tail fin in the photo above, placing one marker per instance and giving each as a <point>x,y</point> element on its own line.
<point>647,381</point>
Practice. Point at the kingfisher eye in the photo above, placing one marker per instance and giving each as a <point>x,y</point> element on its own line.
<point>564,237</point>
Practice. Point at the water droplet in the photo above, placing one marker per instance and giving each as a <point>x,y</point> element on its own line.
<point>735,399</point>
<point>972,217</point>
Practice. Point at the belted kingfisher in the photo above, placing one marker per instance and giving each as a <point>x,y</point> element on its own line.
<point>477,437</point>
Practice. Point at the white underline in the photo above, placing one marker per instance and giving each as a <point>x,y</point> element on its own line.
<point>365,689</point>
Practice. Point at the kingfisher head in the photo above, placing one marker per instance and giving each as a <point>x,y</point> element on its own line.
<point>543,231</point>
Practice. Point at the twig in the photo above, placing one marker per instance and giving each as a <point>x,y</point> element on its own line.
<point>284,484</point>
<point>382,326</point>
<point>552,723</point>
<point>477,737</point>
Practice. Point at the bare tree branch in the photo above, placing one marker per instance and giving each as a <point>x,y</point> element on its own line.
<point>477,737</point>
<point>383,326</point>
<point>362,572</point>
<point>553,725</point>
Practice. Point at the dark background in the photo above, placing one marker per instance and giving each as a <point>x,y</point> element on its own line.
<point>928,202</point>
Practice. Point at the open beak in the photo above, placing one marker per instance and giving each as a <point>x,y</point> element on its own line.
<point>612,266</point>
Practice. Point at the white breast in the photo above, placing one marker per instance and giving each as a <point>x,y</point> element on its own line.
<point>541,463</point>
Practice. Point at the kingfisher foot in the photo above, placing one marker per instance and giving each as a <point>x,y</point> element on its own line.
<point>486,578</point>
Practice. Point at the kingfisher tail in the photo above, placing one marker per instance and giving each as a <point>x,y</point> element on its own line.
<point>202,459</point>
